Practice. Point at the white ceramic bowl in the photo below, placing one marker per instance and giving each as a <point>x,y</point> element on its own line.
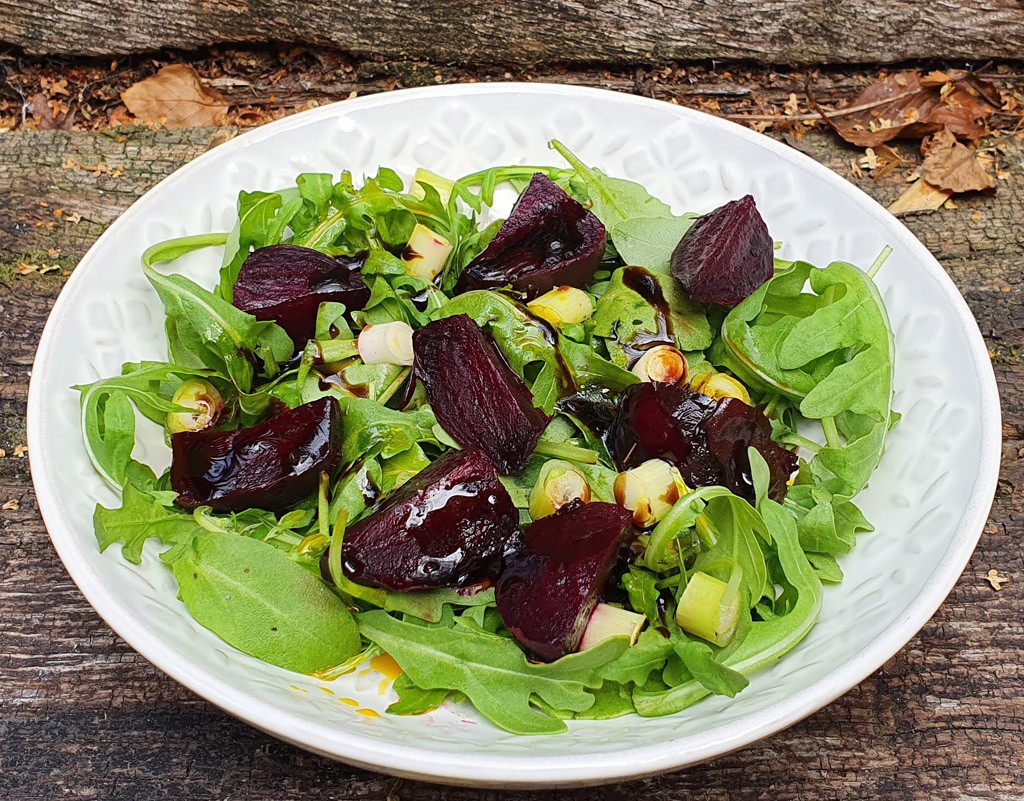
<point>928,500</point>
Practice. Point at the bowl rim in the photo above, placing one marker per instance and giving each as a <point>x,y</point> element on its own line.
<point>527,771</point>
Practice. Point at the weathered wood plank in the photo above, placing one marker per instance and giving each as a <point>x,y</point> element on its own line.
<point>47,171</point>
<point>82,715</point>
<point>484,32</point>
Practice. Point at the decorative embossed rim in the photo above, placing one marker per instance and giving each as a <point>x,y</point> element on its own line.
<point>470,768</point>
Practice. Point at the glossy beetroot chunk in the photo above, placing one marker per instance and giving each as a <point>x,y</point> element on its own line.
<point>287,284</point>
<point>269,466</point>
<point>477,398</point>
<point>732,429</point>
<point>665,421</point>
<point>706,439</point>
<point>547,590</point>
<point>725,255</point>
<point>448,526</point>
<point>548,240</point>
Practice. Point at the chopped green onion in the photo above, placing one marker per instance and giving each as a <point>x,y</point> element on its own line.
<point>709,608</point>
<point>566,450</point>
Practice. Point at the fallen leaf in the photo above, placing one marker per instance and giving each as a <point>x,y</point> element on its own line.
<point>20,451</point>
<point>10,506</point>
<point>995,579</point>
<point>175,98</point>
<point>920,196</point>
<point>48,117</point>
<point>905,104</point>
<point>951,165</point>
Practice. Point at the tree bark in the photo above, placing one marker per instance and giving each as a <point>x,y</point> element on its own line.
<point>517,32</point>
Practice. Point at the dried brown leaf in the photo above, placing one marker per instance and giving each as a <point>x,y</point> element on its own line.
<point>907,105</point>
<point>175,98</point>
<point>49,115</point>
<point>951,165</point>
<point>920,196</point>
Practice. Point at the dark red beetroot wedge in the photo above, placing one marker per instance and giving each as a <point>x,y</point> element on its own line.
<point>477,398</point>
<point>547,590</point>
<point>269,466</point>
<point>287,284</point>
<point>725,255</point>
<point>706,439</point>
<point>732,429</point>
<point>665,421</point>
<point>548,240</point>
<point>448,526</point>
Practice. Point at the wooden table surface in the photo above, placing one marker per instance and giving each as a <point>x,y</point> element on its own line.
<point>83,716</point>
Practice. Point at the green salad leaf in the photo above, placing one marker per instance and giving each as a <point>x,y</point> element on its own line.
<point>255,598</point>
<point>645,232</point>
<point>372,430</point>
<point>262,220</point>
<point>821,337</point>
<point>413,700</point>
<point>139,518</point>
<point>108,412</point>
<point>767,640</point>
<point>491,670</point>
<point>204,330</point>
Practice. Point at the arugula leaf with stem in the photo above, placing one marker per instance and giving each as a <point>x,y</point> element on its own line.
<point>765,640</point>
<point>171,249</point>
<point>108,416</point>
<point>204,330</point>
<point>829,348</point>
<point>645,232</point>
<point>140,518</point>
<point>262,220</point>
<point>492,671</point>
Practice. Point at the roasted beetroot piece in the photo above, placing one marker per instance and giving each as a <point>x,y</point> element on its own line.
<point>477,398</point>
<point>548,589</point>
<point>725,255</point>
<point>448,526</point>
<point>287,284</point>
<point>548,240</point>
<point>269,466</point>
<point>665,421</point>
<point>706,439</point>
<point>732,429</point>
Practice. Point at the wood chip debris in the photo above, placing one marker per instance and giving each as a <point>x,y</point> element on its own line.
<point>996,580</point>
<point>26,268</point>
<point>20,451</point>
<point>10,506</point>
<point>96,169</point>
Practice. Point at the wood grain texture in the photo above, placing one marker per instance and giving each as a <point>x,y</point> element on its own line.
<point>83,716</point>
<point>483,32</point>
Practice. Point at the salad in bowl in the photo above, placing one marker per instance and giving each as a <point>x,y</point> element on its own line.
<point>590,460</point>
